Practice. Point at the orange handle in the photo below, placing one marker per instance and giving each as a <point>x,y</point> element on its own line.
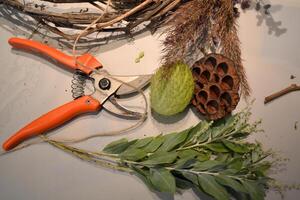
<point>86,63</point>
<point>53,119</point>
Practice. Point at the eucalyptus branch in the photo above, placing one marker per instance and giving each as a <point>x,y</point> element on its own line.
<point>209,156</point>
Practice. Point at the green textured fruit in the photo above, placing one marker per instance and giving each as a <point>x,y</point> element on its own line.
<point>171,91</point>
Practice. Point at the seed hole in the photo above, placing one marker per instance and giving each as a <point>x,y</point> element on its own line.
<point>214,92</point>
<point>205,76</point>
<point>222,69</point>
<point>196,71</point>
<point>211,61</point>
<point>199,85</point>
<point>212,107</point>
<point>227,83</point>
<point>202,96</point>
<point>217,78</point>
<point>225,99</point>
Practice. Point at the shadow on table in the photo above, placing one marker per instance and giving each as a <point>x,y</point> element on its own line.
<point>176,118</point>
<point>196,193</point>
<point>264,17</point>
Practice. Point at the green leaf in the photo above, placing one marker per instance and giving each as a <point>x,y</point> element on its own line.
<point>133,154</point>
<point>217,130</point>
<point>143,175</point>
<point>203,137</point>
<point>254,190</point>
<point>247,161</point>
<point>223,126</point>
<point>118,146</point>
<point>236,163</point>
<point>173,140</point>
<point>161,158</point>
<point>162,180</point>
<point>217,147</point>
<point>223,157</point>
<point>182,184</point>
<point>211,187</point>
<point>154,144</point>
<point>184,163</point>
<point>203,156</point>
<point>261,169</point>
<point>238,148</point>
<point>191,177</point>
<point>187,157</point>
<point>241,135</point>
<point>199,131</point>
<point>230,182</point>
<point>254,156</point>
<point>231,121</point>
<point>188,153</point>
<point>208,165</point>
<point>142,142</point>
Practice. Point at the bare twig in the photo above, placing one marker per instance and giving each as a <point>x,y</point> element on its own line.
<point>289,89</point>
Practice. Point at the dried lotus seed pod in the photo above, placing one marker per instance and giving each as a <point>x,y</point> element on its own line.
<point>216,92</point>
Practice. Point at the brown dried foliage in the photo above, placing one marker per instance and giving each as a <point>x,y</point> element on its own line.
<point>188,31</point>
<point>202,26</point>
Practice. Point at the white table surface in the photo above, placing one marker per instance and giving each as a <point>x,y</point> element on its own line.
<point>31,86</point>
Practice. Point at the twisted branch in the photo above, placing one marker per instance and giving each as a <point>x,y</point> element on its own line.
<point>135,13</point>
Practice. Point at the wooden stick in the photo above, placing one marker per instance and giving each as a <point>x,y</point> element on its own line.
<point>289,89</point>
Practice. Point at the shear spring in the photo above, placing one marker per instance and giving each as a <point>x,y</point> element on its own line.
<point>78,84</point>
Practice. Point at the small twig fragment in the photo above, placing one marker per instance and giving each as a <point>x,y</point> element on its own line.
<point>289,89</point>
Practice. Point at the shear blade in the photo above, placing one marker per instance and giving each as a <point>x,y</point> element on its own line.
<point>112,106</point>
<point>132,83</point>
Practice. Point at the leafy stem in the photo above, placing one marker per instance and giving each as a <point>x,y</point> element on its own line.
<point>211,140</point>
<point>210,155</point>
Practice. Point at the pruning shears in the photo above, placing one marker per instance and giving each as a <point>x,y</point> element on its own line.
<point>106,88</point>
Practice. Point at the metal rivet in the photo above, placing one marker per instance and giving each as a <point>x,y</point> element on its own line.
<point>104,84</point>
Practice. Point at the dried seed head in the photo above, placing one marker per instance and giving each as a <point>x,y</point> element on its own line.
<point>216,86</point>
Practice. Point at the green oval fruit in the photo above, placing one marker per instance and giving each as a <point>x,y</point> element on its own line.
<point>171,91</point>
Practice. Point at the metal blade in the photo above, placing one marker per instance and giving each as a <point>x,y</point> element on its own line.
<point>136,81</point>
<point>112,106</point>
